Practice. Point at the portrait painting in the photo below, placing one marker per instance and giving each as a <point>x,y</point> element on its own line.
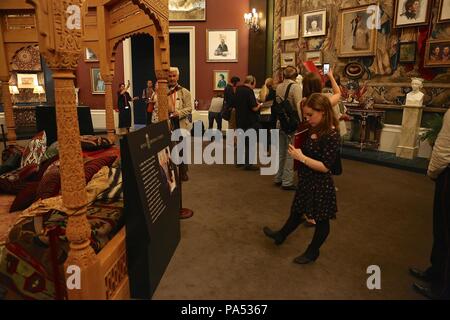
<point>314,23</point>
<point>407,52</point>
<point>187,10</point>
<point>90,56</point>
<point>222,45</point>
<point>444,11</point>
<point>27,80</point>
<point>356,39</point>
<point>98,85</point>
<point>287,59</point>
<point>166,170</point>
<point>410,13</point>
<point>314,56</point>
<point>289,27</point>
<point>220,79</point>
<point>437,53</point>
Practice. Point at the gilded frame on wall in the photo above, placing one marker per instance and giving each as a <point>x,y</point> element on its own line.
<point>407,52</point>
<point>220,79</point>
<point>289,27</point>
<point>222,45</point>
<point>320,27</point>
<point>437,53</point>
<point>187,11</point>
<point>314,56</point>
<point>411,13</point>
<point>287,59</point>
<point>355,38</point>
<point>97,83</point>
<point>444,11</point>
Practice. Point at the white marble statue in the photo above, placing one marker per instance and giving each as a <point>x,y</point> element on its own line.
<point>415,97</point>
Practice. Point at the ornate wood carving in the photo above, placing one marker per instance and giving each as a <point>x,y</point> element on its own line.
<point>60,41</point>
<point>27,59</point>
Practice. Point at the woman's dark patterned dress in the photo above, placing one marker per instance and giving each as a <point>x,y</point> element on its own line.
<point>316,195</point>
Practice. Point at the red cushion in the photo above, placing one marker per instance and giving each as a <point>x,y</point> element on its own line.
<point>14,181</point>
<point>93,166</point>
<point>25,197</point>
<point>50,184</point>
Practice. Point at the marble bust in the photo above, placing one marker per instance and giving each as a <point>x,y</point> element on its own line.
<point>415,97</point>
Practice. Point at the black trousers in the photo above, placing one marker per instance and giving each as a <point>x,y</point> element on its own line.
<point>440,253</point>
<point>149,118</point>
<point>320,234</point>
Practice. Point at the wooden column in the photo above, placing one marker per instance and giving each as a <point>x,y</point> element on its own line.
<point>109,107</point>
<point>162,66</point>
<point>60,29</point>
<point>6,96</point>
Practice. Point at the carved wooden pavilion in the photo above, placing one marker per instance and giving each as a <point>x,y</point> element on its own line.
<point>63,29</point>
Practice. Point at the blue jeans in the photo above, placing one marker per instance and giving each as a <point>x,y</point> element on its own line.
<point>285,173</point>
<point>215,116</point>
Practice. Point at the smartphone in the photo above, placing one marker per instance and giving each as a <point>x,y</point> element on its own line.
<point>326,68</point>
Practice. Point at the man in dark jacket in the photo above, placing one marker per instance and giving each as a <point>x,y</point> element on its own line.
<point>247,113</point>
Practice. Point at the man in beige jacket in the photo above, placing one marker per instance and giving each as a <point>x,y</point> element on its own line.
<point>438,274</point>
<point>180,109</point>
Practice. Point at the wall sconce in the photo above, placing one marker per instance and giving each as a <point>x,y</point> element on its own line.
<point>251,20</point>
<point>13,90</point>
<point>39,90</point>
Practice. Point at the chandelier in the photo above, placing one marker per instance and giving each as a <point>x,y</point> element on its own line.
<point>251,20</point>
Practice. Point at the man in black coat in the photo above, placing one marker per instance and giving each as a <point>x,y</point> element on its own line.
<point>247,113</point>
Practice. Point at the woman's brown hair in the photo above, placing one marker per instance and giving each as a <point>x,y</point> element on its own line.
<point>311,84</point>
<point>321,103</point>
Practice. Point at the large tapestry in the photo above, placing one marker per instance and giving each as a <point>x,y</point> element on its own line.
<point>385,76</point>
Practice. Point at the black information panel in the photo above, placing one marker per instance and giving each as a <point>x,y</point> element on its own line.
<point>152,206</point>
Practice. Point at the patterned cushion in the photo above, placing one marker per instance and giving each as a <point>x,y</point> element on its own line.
<point>25,197</point>
<point>114,191</point>
<point>92,143</point>
<point>51,151</point>
<point>93,166</point>
<point>35,149</point>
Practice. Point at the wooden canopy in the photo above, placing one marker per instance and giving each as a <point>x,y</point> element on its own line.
<point>63,29</point>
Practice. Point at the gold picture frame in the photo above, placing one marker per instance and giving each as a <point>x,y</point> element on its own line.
<point>222,45</point>
<point>97,83</point>
<point>355,38</point>
<point>407,15</point>
<point>220,79</point>
<point>289,27</point>
<point>437,53</point>
<point>320,27</point>
<point>444,11</point>
<point>288,59</point>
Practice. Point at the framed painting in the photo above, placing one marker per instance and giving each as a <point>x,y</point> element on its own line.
<point>27,80</point>
<point>220,79</point>
<point>222,45</point>
<point>314,23</point>
<point>444,11</point>
<point>437,53</point>
<point>408,52</point>
<point>90,56</point>
<point>97,83</point>
<point>314,56</point>
<point>355,38</point>
<point>182,10</point>
<point>289,27</point>
<point>287,59</point>
<point>410,13</point>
